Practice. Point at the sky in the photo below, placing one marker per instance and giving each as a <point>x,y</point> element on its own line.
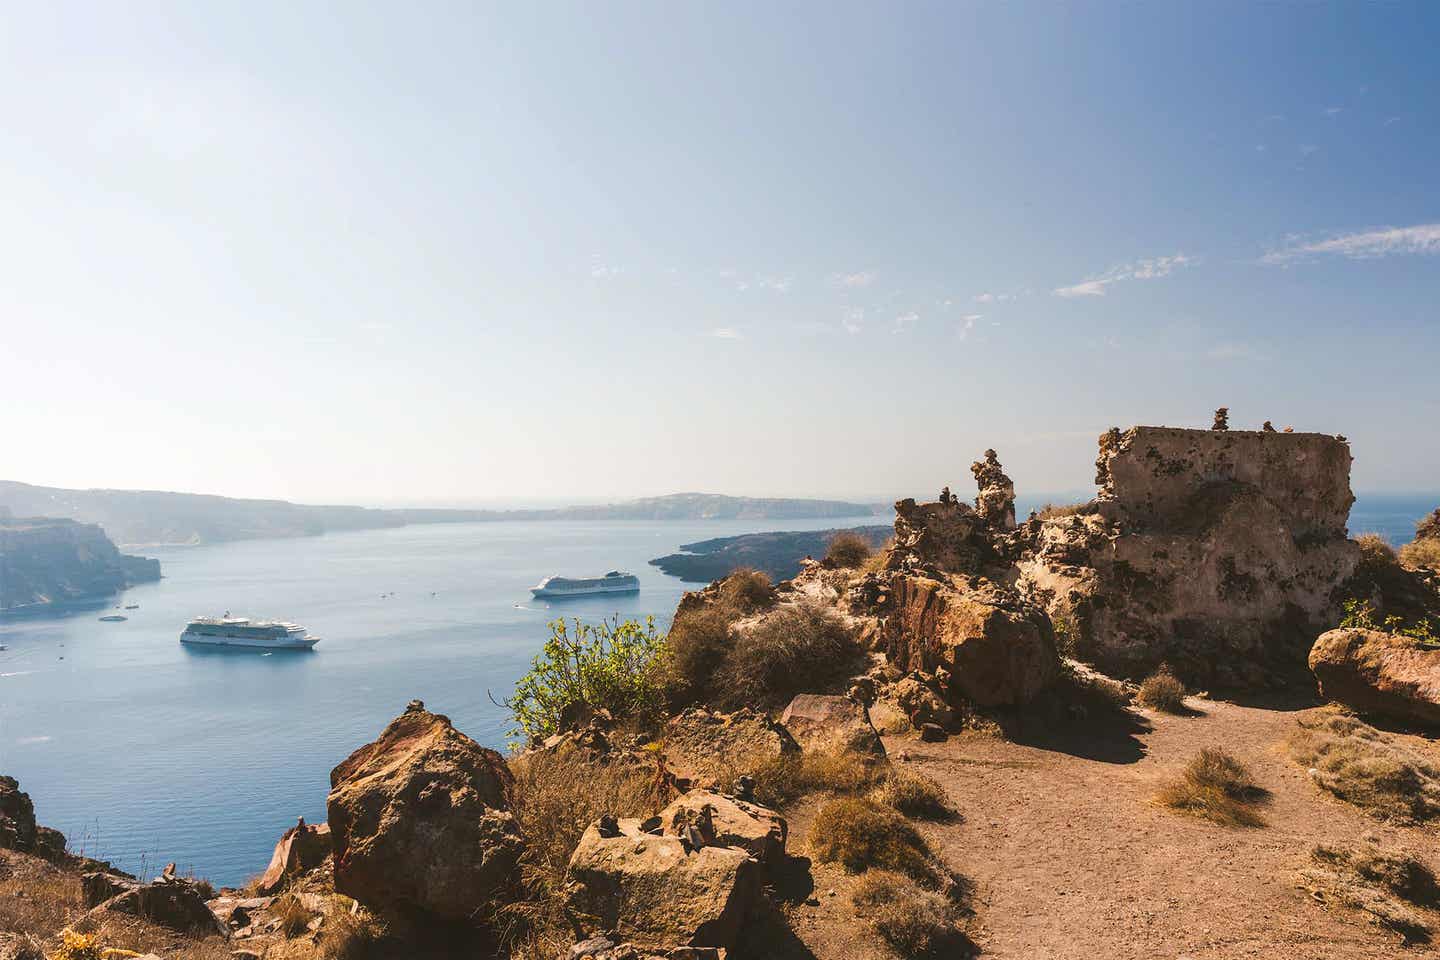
<point>452,253</point>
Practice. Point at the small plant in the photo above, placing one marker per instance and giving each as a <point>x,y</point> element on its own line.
<point>915,795</point>
<point>746,590</point>
<point>78,946</point>
<point>1363,766</point>
<point>605,666</point>
<point>781,780</point>
<point>861,834</point>
<point>915,921</point>
<point>294,918</point>
<point>1384,884</point>
<point>848,549</point>
<point>1217,787</point>
<point>1422,553</point>
<point>350,935</point>
<point>1361,614</point>
<point>1162,690</point>
<point>794,650</point>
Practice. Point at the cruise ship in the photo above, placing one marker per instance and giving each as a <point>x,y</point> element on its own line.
<point>552,588</point>
<point>228,631</point>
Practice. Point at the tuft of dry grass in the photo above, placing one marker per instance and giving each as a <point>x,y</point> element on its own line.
<point>914,794</point>
<point>1385,884</point>
<point>797,649</point>
<point>1162,690</point>
<point>36,900</point>
<point>351,935</point>
<point>860,834</point>
<point>746,590</point>
<point>1053,510</point>
<point>915,921</point>
<point>779,781</point>
<point>1217,787</point>
<point>1363,766</point>
<point>557,795</point>
<point>694,649</point>
<point>293,916</point>
<point>1421,553</point>
<point>848,549</point>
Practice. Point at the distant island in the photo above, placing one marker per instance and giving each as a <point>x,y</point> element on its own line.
<point>778,553</point>
<point>47,562</point>
<point>151,517</point>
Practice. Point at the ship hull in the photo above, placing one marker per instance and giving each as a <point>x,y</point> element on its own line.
<point>541,593</point>
<point>250,643</point>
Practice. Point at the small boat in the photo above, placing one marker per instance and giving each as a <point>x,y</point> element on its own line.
<point>132,606</point>
<point>228,631</point>
<point>113,618</point>
<point>616,581</point>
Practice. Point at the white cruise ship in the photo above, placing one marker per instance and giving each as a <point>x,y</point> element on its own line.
<point>552,588</point>
<point>228,631</point>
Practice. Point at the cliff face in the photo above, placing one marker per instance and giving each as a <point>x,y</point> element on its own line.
<point>1214,550</point>
<point>46,561</point>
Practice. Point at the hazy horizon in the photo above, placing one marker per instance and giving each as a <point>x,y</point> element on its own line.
<point>464,252</point>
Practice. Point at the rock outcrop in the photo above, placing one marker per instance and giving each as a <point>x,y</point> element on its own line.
<point>47,562</point>
<point>720,820</point>
<point>995,503</point>
<point>701,746</point>
<point>303,847</point>
<point>831,724</point>
<point>1379,673</point>
<point>17,817</point>
<point>659,890</point>
<point>170,901</point>
<point>419,821</point>
<point>1218,551</point>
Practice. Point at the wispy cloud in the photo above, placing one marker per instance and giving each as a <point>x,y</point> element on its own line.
<point>1148,269</point>
<point>602,271</point>
<point>1365,245</point>
<point>967,323</point>
<point>904,322</point>
<point>726,333</point>
<point>852,319</point>
<point>861,279</point>
<point>995,297</point>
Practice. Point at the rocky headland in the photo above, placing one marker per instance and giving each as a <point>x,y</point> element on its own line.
<point>777,554</point>
<point>47,563</point>
<point>1190,717</point>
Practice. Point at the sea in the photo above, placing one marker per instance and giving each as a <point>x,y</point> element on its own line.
<point>143,751</point>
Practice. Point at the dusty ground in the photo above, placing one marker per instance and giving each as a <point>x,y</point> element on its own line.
<point>1070,859</point>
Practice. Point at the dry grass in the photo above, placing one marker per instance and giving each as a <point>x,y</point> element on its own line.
<point>696,646</point>
<point>914,794</point>
<point>797,649</point>
<point>1162,690</point>
<point>348,935</point>
<point>37,900</point>
<point>861,834</point>
<point>1365,767</point>
<point>1421,553</point>
<point>915,921</point>
<point>293,916</point>
<point>779,781</point>
<point>557,795</point>
<point>1216,787</point>
<point>848,550</point>
<point>1385,884</point>
<point>1052,510</point>
<point>746,590</point>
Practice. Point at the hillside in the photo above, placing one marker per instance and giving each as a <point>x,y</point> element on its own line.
<point>776,554</point>
<point>46,562</point>
<point>160,517</point>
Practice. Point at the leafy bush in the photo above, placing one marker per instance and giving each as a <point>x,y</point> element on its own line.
<point>861,834</point>
<point>1359,764</point>
<point>794,650</point>
<point>914,794</point>
<point>916,922</point>
<point>606,666</point>
<point>1217,787</point>
<point>1360,614</point>
<point>1162,690</point>
<point>848,549</point>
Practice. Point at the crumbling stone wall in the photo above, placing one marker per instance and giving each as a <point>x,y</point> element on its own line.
<point>1218,551</point>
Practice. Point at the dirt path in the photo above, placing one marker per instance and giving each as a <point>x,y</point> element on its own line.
<point>1071,859</point>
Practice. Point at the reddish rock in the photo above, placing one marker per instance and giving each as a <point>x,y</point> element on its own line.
<point>825,724</point>
<point>1376,672</point>
<point>725,821</point>
<point>419,822</point>
<point>303,847</point>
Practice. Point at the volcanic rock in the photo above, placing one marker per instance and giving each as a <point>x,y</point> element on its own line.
<point>1382,673</point>
<point>823,724</point>
<point>727,821</point>
<point>303,847</point>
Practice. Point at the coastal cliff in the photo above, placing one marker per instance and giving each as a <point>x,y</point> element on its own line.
<point>50,562</point>
<point>777,554</point>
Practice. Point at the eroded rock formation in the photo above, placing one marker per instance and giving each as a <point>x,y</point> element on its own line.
<point>1219,551</point>
<point>303,847</point>
<point>47,562</point>
<point>1381,673</point>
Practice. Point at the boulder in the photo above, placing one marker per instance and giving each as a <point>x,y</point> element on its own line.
<point>726,821</point>
<point>822,723</point>
<point>702,747</point>
<point>915,699</point>
<point>17,817</point>
<point>98,886</point>
<point>987,643</point>
<point>658,890</point>
<point>303,847</point>
<point>419,821</point>
<point>1382,673</point>
<point>170,902</point>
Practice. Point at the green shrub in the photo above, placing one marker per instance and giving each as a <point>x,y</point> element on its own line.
<point>609,666</point>
<point>1162,690</point>
<point>861,834</point>
<point>848,549</point>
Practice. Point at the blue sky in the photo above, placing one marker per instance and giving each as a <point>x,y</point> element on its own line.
<point>454,252</point>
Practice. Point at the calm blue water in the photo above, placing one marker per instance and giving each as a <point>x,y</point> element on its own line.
<point>137,747</point>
